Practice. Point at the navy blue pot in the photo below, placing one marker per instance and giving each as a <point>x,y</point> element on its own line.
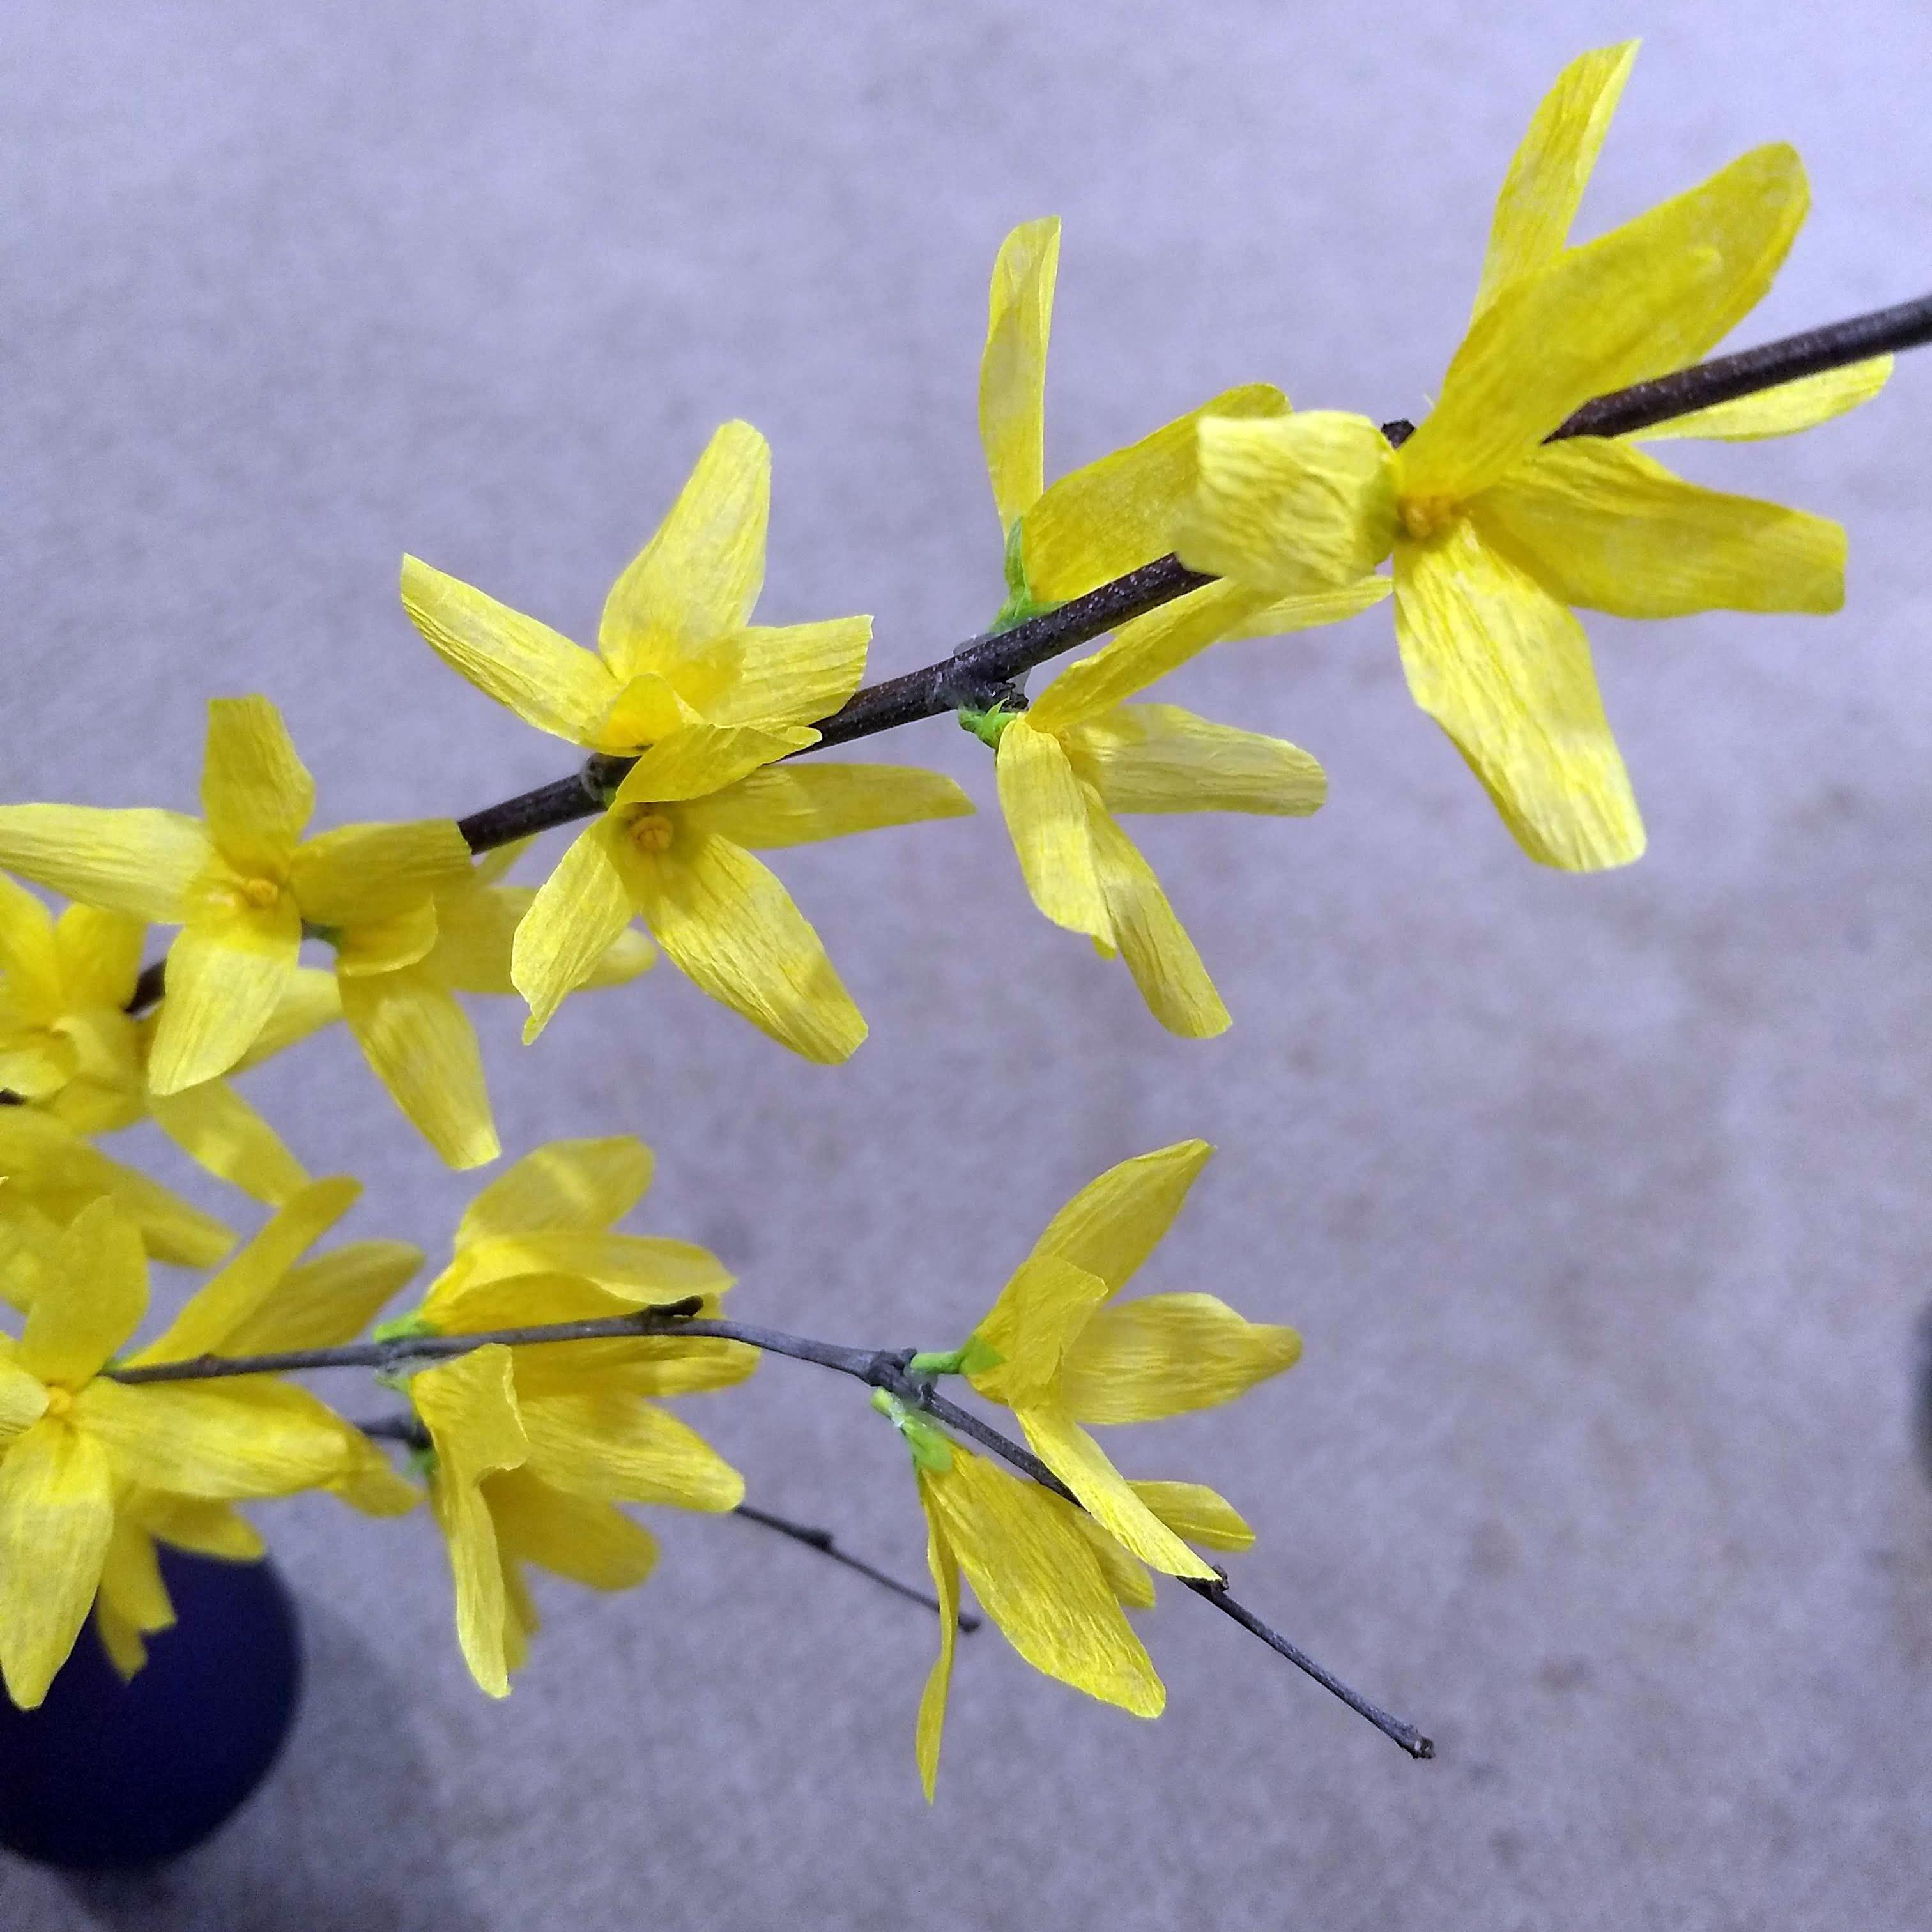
<point>107,1774</point>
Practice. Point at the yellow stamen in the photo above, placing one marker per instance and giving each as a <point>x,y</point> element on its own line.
<point>1422,517</point>
<point>651,833</point>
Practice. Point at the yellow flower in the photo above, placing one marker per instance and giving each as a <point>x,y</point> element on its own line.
<point>1496,534</point>
<point>1035,1572</point>
<point>245,887</point>
<point>1078,756</point>
<point>68,1044</point>
<point>704,700</point>
<point>1055,1352</point>
<point>71,1441</point>
<point>536,1446</point>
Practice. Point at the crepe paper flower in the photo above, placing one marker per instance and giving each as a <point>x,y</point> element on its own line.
<point>68,1044</point>
<point>1054,1350</point>
<point>70,1440</point>
<point>1102,520</point>
<point>704,699</point>
<point>133,1603</point>
<point>1496,535</point>
<point>1034,1572</point>
<point>245,887</point>
<point>1079,755</point>
<point>46,1167</point>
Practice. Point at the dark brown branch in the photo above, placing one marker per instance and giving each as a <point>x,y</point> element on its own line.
<point>997,657</point>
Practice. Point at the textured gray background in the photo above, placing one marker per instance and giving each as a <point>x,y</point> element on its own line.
<point>1600,1202</point>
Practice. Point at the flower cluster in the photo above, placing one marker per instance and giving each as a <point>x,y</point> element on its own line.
<point>533,1378</point>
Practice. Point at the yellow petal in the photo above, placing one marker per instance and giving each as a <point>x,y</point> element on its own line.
<point>310,1002</point>
<point>1080,1462</point>
<point>1601,525</point>
<point>1292,505</point>
<point>189,1522</point>
<point>730,925</point>
<point>130,1579</point>
<point>1013,366</point>
<point>216,1128</point>
<point>23,1400</point>
<point>639,1268</point>
<point>240,1435</point>
<point>1148,936</point>
<point>1046,812</point>
<point>1127,1577</point>
<point>94,1302</point>
<point>1789,407</point>
<point>328,1300</point>
<point>642,1368</point>
<point>100,954</point>
<point>470,1406</point>
<point>234,1298</point>
<point>592,1543</point>
<point>649,707</point>
<point>797,804</point>
<point>1505,670</point>
<point>1157,757</point>
<point>382,945</point>
<point>793,674</point>
<point>420,1045</point>
<point>226,975</point>
<point>608,1444</point>
<point>256,792</point>
<point>367,1483</point>
<point>56,1517</point>
<point>1163,1354</point>
<point>1115,1222</point>
<point>141,862</point>
<point>1039,1582</point>
<point>365,873</point>
<point>1551,168</point>
<point>1100,522</point>
<point>1193,1510</point>
<point>35,982</point>
<point>945,1568</point>
<point>699,575</point>
<point>121,1641</point>
<point>564,1184</point>
<point>39,1066</point>
<point>55,1169</point>
<point>579,910</point>
<point>549,682</point>
<point>1042,1307</point>
<point>459,1303</point>
<point>1651,296</point>
<point>702,758</point>
<point>1288,614</point>
<point>1142,651</point>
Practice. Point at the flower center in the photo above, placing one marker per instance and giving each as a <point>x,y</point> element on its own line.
<point>262,893</point>
<point>1422,517</point>
<point>59,1401</point>
<point>651,832</point>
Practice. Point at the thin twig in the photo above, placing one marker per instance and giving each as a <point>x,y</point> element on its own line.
<point>878,1368</point>
<point>827,1545</point>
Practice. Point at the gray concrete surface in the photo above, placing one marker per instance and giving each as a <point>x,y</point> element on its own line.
<point>1601,1203</point>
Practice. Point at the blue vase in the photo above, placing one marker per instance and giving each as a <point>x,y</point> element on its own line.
<point>106,1774</point>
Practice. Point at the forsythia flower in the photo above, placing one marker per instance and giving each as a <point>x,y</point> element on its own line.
<point>1077,756</point>
<point>69,1045</point>
<point>1496,534</point>
<point>535,1446</point>
<point>1035,1572</point>
<point>71,1441</point>
<point>1055,1352</point>
<point>704,699</point>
